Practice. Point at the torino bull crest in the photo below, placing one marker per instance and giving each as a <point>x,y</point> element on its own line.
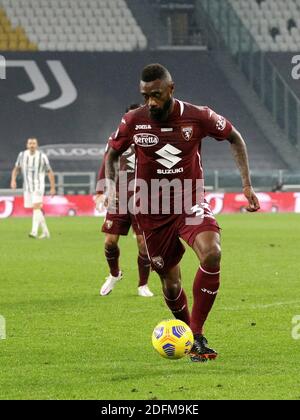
<point>187,133</point>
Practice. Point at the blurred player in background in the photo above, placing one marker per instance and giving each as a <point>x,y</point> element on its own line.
<point>116,225</point>
<point>173,137</point>
<point>34,165</point>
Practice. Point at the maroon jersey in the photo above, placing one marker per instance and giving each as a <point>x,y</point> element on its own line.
<point>126,164</point>
<point>168,149</point>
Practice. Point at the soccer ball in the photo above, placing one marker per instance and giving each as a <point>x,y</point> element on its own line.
<point>172,339</point>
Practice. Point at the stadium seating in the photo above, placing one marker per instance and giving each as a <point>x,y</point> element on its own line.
<point>71,25</point>
<point>275,24</point>
<point>104,91</point>
<point>13,38</point>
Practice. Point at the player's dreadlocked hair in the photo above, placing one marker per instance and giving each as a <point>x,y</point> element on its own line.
<point>155,71</point>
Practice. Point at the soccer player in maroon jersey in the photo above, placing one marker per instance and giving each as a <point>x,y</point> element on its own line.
<point>167,134</point>
<point>116,225</point>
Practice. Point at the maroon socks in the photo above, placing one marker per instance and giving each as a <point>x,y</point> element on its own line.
<point>112,256</point>
<point>179,307</point>
<point>144,269</point>
<point>205,290</point>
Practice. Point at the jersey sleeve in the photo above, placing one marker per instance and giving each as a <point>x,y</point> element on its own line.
<point>122,140</point>
<point>215,125</point>
<point>46,163</point>
<point>19,160</point>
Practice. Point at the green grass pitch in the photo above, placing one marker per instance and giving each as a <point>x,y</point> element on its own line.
<point>64,341</point>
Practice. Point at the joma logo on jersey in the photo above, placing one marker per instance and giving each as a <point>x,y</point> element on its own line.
<point>143,127</point>
<point>145,140</point>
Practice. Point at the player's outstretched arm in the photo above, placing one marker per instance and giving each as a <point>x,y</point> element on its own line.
<point>52,183</point>
<point>239,151</point>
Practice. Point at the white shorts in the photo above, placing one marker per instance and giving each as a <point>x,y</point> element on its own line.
<point>30,199</point>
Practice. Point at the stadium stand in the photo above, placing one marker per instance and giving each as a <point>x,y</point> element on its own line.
<point>72,25</point>
<point>104,91</point>
<point>13,38</point>
<point>178,17</point>
<point>112,29</point>
<point>274,92</point>
<point>275,24</point>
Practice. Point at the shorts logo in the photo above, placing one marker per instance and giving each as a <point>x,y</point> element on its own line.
<point>187,133</point>
<point>109,224</point>
<point>221,123</point>
<point>158,262</point>
<point>145,140</point>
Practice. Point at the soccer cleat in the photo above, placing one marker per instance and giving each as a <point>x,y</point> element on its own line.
<point>144,291</point>
<point>110,284</point>
<point>32,236</point>
<point>45,236</point>
<point>200,351</point>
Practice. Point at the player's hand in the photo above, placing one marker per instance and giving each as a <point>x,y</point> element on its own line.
<point>100,202</point>
<point>13,185</point>
<point>53,192</point>
<point>112,200</point>
<point>252,199</point>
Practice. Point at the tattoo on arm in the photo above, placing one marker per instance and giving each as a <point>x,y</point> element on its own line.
<point>111,164</point>
<point>240,154</point>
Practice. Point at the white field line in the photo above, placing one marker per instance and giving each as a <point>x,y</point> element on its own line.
<point>257,307</point>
